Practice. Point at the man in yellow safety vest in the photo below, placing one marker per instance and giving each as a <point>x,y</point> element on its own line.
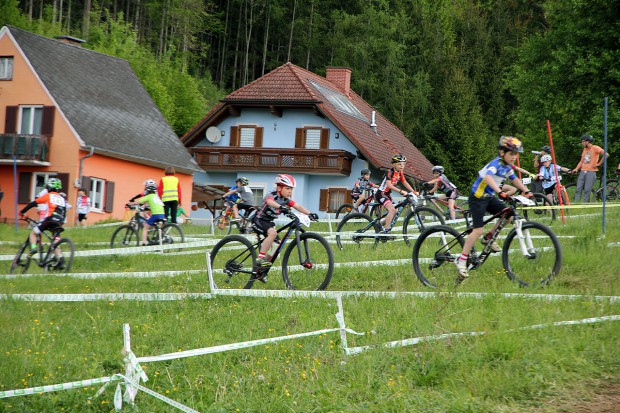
<point>169,190</point>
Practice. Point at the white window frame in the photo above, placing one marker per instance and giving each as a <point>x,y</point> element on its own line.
<point>256,189</point>
<point>39,177</point>
<point>312,141</point>
<point>247,136</point>
<point>31,128</point>
<point>97,194</point>
<point>6,67</point>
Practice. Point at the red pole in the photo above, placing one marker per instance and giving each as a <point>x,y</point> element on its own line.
<point>558,185</point>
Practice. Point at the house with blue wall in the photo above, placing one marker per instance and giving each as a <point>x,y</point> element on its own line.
<point>296,122</point>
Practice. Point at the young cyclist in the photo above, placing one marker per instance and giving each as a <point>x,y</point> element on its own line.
<point>83,206</point>
<point>275,203</point>
<point>144,214</point>
<point>546,174</point>
<point>443,184</point>
<point>241,196</point>
<point>56,212</point>
<point>156,205</point>
<point>392,177</point>
<point>481,198</point>
<point>361,188</point>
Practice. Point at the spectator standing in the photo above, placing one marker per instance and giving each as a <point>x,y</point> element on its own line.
<point>169,190</point>
<point>83,206</point>
<point>588,166</point>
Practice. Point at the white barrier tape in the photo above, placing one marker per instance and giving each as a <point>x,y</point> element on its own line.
<point>106,297</point>
<point>572,206</point>
<point>416,340</point>
<point>58,387</point>
<point>167,400</point>
<point>96,275</point>
<point>236,346</point>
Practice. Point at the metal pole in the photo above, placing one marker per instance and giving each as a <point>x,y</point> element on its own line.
<point>604,162</point>
<point>15,190</point>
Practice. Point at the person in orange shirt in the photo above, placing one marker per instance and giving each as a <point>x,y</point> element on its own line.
<point>589,166</point>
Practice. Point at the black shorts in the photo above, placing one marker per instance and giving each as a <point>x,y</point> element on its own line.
<point>242,206</point>
<point>478,206</point>
<point>50,223</point>
<point>451,194</point>
<point>549,190</point>
<point>81,217</point>
<point>261,226</point>
<point>383,198</point>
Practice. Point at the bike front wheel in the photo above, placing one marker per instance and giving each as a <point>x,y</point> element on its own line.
<point>64,260</point>
<point>220,225</point>
<point>344,210</point>
<point>434,254</point>
<point>124,236</point>
<point>22,260</point>
<point>418,220</point>
<point>534,260</point>
<point>356,228</point>
<point>232,261</point>
<point>309,265</point>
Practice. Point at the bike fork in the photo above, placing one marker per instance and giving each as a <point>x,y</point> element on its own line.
<point>525,240</point>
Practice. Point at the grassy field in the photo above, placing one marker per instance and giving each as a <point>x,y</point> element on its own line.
<point>511,368</point>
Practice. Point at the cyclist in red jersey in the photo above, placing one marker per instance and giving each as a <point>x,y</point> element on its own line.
<point>390,180</point>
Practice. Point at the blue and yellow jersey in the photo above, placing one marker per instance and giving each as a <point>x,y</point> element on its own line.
<point>498,170</point>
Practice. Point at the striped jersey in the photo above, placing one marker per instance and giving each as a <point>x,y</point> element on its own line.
<point>498,170</point>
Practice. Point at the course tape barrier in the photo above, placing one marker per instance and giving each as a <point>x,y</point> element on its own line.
<point>95,275</point>
<point>105,297</point>
<point>572,206</point>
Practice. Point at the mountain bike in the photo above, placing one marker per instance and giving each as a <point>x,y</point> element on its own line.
<point>130,234</point>
<point>613,190</point>
<point>244,223</point>
<point>531,254</point>
<point>441,205</point>
<point>369,205</point>
<point>307,262</point>
<point>357,228</point>
<point>597,189</point>
<point>53,252</point>
<point>221,221</point>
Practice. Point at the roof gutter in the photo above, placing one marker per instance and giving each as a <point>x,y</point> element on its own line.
<point>92,152</point>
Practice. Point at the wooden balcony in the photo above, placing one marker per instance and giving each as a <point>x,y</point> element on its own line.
<point>283,160</point>
<point>27,149</point>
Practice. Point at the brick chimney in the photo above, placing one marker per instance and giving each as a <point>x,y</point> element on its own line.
<point>70,40</point>
<point>341,78</point>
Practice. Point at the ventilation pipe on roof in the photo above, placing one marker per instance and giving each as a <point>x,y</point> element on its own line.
<point>373,121</point>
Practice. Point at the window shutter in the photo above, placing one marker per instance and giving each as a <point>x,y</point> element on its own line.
<point>10,123</point>
<point>109,197</point>
<point>234,136</point>
<point>324,199</point>
<point>25,178</point>
<point>85,183</point>
<point>64,179</point>
<point>47,122</point>
<point>258,138</point>
<point>299,138</point>
<point>324,138</point>
<point>348,198</point>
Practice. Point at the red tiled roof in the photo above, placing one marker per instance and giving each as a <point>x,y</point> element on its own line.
<point>291,83</point>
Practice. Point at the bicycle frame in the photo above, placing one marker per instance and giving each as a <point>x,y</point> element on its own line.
<point>293,226</point>
<point>45,255</point>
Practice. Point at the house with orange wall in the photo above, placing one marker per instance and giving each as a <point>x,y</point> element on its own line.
<point>83,117</point>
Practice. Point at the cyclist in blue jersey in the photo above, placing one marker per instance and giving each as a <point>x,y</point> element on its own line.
<point>482,199</point>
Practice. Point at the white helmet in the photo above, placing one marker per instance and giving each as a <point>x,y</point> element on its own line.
<point>149,182</point>
<point>285,179</point>
<point>545,158</point>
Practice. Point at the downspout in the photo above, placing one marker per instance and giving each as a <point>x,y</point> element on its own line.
<point>92,152</point>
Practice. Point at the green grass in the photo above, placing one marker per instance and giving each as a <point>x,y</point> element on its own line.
<point>503,370</point>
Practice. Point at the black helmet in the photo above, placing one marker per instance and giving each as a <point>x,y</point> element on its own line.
<point>546,148</point>
<point>399,158</point>
<point>365,171</point>
<point>510,143</point>
<point>438,169</point>
<point>588,138</point>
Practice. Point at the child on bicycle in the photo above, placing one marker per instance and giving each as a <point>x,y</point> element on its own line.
<point>241,197</point>
<point>56,212</point>
<point>156,205</point>
<point>546,174</point>
<point>361,188</point>
<point>392,177</point>
<point>275,203</point>
<point>482,198</point>
<point>443,184</point>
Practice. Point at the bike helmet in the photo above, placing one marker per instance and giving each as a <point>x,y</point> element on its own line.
<point>545,158</point>
<point>365,171</point>
<point>286,180</point>
<point>588,138</point>
<point>243,180</point>
<point>149,182</point>
<point>399,158</point>
<point>546,148</point>
<point>510,143</point>
<point>150,189</point>
<point>438,169</point>
<point>53,184</point>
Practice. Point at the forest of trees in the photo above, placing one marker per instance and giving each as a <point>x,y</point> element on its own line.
<point>454,75</point>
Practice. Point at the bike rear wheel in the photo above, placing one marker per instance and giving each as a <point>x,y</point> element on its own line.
<point>308,266</point>
<point>542,260</point>
<point>613,193</point>
<point>64,261</point>
<point>418,220</point>
<point>232,262</point>
<point>356,228</point>
<point>22,260</point>
<point>434,254</point>
<point>221,224</point>
<point>124,236</point>
<point>545,214</point>
<point>344,210</point>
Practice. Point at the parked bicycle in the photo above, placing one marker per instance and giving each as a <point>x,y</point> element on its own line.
<point>357,228</point>
<point>531,254</point>
<point>53,252</point>
<point>369,206</point>
<point>613,190</point>
<point>441,205</point>
<point>128,235</point>
<point>307,262</point>
<point>597,189</point>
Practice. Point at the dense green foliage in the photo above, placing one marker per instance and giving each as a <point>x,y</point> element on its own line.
<point>453,75</point>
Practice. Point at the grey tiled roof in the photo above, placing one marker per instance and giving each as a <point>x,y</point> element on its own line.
<point>105,102</point>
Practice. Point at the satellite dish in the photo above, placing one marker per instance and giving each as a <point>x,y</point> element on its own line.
<point>213,134</point>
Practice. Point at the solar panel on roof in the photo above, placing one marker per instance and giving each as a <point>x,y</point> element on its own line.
<point>340,102</point>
